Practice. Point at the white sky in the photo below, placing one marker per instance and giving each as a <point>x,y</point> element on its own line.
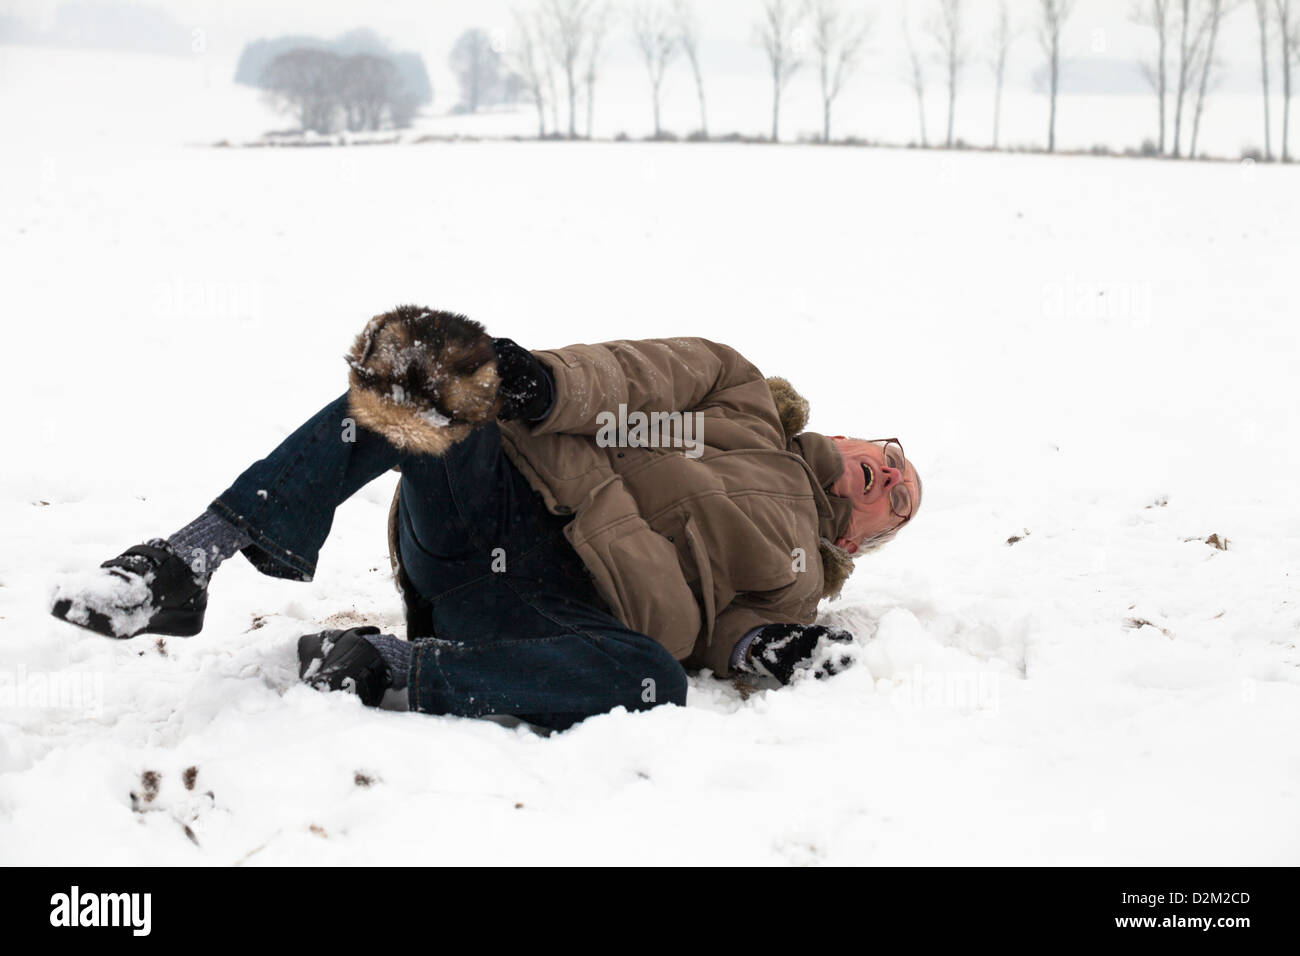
<point>1098,28</point>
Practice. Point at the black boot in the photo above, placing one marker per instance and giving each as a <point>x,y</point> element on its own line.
<point>344,660</point>
<point>145,589</point>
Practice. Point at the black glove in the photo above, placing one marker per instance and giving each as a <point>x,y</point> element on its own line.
<point>344,660</point>
<point>526,387</point>
<point>779,650</point>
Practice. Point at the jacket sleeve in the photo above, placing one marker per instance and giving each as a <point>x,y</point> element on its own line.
<point>655,375</point>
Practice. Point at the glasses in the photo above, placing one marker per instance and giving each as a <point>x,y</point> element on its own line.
<point>901,502</point>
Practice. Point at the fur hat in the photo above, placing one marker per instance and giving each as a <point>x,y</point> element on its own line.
<point>422,379</point>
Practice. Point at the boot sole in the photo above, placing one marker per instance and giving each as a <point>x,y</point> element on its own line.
<point>170,622</point>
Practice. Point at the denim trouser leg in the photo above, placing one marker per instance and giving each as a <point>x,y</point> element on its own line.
<point>286,501</point>
<point>520,628</point>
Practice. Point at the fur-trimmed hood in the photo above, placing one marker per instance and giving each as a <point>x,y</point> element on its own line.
<point>826,464</point>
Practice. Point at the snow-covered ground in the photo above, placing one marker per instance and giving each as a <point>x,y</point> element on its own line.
<point>1094,356</point>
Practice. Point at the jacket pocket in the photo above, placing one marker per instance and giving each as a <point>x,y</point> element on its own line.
<point>637,572</point>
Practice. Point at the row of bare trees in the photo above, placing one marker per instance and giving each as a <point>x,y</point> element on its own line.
<point>559,48</point>
<point>558,52</point>
<point>1187,32</point>
<point>1184,64</point>
<point>1279,18</point>
<point>946,29</point>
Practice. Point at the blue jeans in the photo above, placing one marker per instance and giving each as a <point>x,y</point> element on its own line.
<point>518,626</point>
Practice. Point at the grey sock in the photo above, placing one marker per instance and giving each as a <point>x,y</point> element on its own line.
<point>396,654</point>
<point>207,541</point>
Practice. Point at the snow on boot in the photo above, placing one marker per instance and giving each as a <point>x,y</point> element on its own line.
<point>346,661</point>
<point>145,589</point>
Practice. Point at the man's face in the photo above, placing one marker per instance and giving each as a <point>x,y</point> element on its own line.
<point>867,481</point>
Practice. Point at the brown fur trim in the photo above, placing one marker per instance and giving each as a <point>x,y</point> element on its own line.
<point>792,410</point>
<point>791,407</point>
<point>837,566</point>
<point>422,379</point>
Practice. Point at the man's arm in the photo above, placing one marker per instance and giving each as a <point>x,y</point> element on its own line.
<point>656,375</point>
<point>770,642</point>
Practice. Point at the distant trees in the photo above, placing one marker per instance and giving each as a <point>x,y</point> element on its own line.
<point>658,39</point>
<point>368,91</point>
<point>1188,50</point>
<point>413,88</point>
<point>322,89</point>
<point>556,55</point>
<point>1052,17</point>
<point>688,32</point>
<point>565,28</point>
<point>837,42</point>
<point>1157,14</point>
<point>478,69</point>
<point>1262,18</point>
<point>302,81</point>
<point>915,75</point>
<point>528,59</point>
<point>946,28</point>
<point>1191,28</point>
<point>1213,19</point>
<point>1285,16</point>
<point>775,35</point>
<point>560,41</point>
<point>601,17</point>
<point>1000,47</point>
<point>1288,28</point>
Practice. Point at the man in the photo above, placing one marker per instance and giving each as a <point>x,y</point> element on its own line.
<point>556,557</point>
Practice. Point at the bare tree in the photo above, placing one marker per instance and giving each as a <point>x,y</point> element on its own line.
<point>367,88</point>
<point>656,37</point>
<point>1191,40</point>
<point>946,29</point>
<point>776,36</point>
<point>1288,28</point>
<point>1262,18</point>
<point>688,37</point>
<point>527,60</point>
<point>1214,14</point>
<point>915,75</point>
<point>1157,15</point>
<point>837,39</point>
<point>601,17</point>
<point>567,23</point>
<point>1054,13</point>
<point>306,82</point>
<point>1000,46</point>
<point>477,67</point>
<point>320,88</point>
<point>549,68</point>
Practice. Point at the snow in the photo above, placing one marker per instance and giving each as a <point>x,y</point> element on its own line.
<point>120,595</point>
<point>1094,356</point>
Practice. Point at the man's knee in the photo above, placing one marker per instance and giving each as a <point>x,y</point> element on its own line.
<point>663,680</point>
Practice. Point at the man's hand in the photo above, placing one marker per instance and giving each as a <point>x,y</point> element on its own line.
<point>781,650</point>
<point>526,389</point>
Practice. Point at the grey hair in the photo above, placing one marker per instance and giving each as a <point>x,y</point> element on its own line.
<point>876,542</point>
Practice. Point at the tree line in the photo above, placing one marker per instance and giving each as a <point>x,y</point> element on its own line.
<point>1185,58</point>
<point>325,90</point>
<point>354,81</point>
<point>555,55</point>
